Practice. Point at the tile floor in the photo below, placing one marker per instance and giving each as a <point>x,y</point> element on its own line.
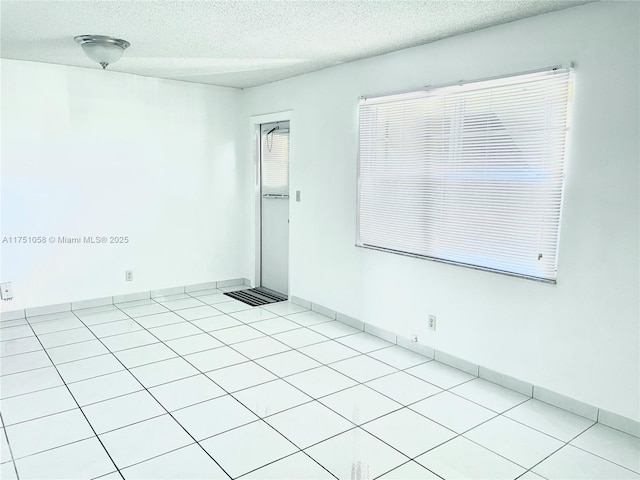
<point>203,386</point>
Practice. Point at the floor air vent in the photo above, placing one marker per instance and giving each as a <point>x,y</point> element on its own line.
<point>256,296</point>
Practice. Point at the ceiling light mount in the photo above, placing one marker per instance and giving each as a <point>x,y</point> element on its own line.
<point>102,49</point>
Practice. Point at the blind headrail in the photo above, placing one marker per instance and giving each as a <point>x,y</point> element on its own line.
<point>554,68</point>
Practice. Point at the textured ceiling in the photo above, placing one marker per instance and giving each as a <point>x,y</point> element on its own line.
<point>244,43</point>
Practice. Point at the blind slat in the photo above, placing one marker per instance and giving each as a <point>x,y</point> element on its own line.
<point>471,174</point>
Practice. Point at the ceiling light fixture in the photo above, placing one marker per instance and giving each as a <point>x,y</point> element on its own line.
<point>102,49</point>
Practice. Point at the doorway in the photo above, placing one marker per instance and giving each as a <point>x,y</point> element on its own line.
<point>274,206</point>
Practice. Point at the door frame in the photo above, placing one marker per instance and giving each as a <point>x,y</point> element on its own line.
<point>255,122</point>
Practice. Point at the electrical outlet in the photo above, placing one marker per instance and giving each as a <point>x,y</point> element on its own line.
<point>129,275</point>
<point>432,322</point>
<point>6,291</point>
<point>297,195</point>
<point>413,337</point>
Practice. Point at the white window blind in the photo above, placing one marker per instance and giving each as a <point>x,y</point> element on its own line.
<point>470,174</point>
<point>275,159</point>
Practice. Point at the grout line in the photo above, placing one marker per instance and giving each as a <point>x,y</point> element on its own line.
<point>78,405</point>
<point>321,364</point>
<point>161,405</point>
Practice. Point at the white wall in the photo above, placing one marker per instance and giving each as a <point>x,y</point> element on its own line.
<point>579,337</point>
<point>87,152</point>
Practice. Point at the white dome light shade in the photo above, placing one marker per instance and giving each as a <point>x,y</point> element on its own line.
<point>102,49</point>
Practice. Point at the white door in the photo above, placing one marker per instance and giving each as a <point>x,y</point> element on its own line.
<point>274,189</point>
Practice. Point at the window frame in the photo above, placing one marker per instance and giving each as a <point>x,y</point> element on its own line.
<point>569,67</point>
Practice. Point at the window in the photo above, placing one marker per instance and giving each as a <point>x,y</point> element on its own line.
<point>470,174</point>
<point>274,140</point>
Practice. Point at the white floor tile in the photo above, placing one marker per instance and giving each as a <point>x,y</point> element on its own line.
<point>81,312</point>
<point>44,433</point>
<point>61,324</point>
<point>275,325</point>
<point>104,387</point>
<point>190,462</point>
<point>169,298</point>
<point>115,328</point>
<point>144,440</point>
<point>356,454</point>
<point>205,292</point>
<point>298,466</point>
<point>461,458</point>
<point>287,363</point>
<point>512,440</point>
<point>360,404</point>
<point>198,312</point>
<point>214,298</point>
<point>36,404</point>
<point>12,333</point>
<point>13,323</point>
<point>363,368</point>
<point>399,357</point>
<point>216,358</point>
<point>181,304</point>
<point>135,357</point>
<point>175,330</point>
<point>8,472</point>
<point>320,381</point>
<point>550,420</point>
<point>530,476</point>
<point>236,334</point>
<point>440,374</point>
<point>79,460</point>
<point>249,447</point>
<point>90,318</point>
<point>160,320</point>
<point>612,445</point>
<point>211,324</point>
<point>284,308</point>
<point>300,337</point>
<point>489,395</point>
<point>193,344</point>
<point>129,340</point>
<point>409,471</point>
<point>57,339</point>
<point>364,342</point>
<point>233,306</point>
<point>329,352</point>
<point>240,376</point>
<point>5,453</point>
<point>254,315</point>
<point>260,347</point>
<point>409,432</point>
<point>309,424</point>
<point>573,463</point>
<point>271,397</point>
<point>186,392</point>
<point>403,388</point>
<point>24,361</point>
<point>212,417</point>
<point>121,411</point>
<point>163,372</point>
<point>21,345</point>
<point>142,310</point>
<point>452,411</point>
<point>49,316</point>
<point>89,368</point>
<point>308,318</point>
<point>334,329</point>
<point>77,351</point>
<point>27,382</point>
<point>133,303</point>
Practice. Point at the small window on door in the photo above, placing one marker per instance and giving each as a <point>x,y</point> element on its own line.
<point>275,160</point>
